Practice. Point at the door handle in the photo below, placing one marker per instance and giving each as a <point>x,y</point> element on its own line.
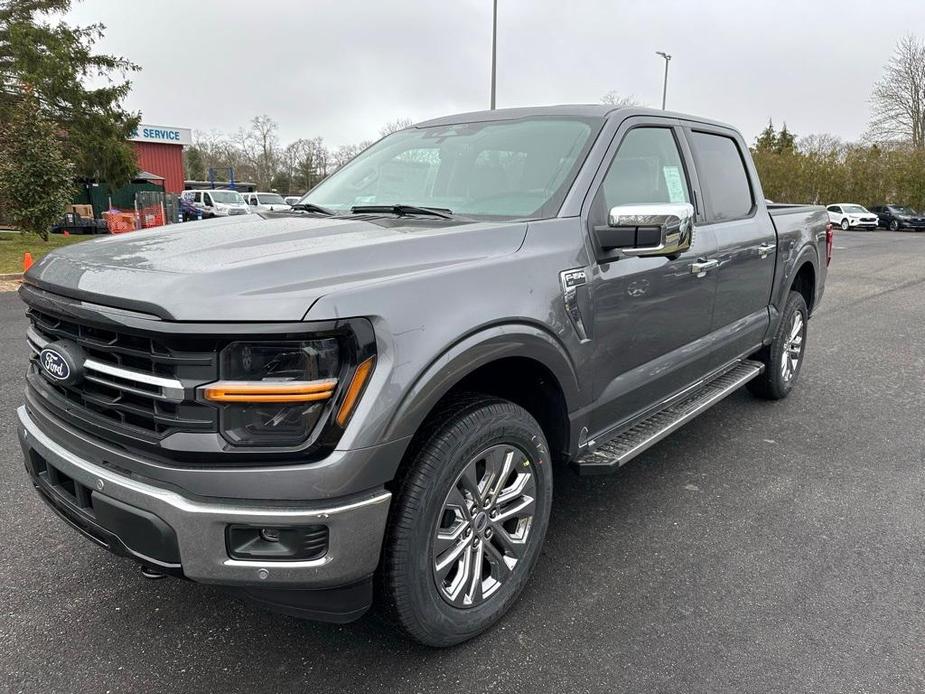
<point>765,249</point>
<point>702,267</point>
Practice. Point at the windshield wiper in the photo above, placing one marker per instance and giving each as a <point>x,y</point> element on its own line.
<point>402,210</point>
<point>312,207</point>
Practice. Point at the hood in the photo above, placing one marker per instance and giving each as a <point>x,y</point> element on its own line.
<point>254,268</point>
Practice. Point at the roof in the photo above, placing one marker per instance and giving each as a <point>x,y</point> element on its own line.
<point>569,110</point>
<point>575,110</point>
<point>148,176</point>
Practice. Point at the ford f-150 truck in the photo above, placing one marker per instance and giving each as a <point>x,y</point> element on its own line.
<point>366,396</point>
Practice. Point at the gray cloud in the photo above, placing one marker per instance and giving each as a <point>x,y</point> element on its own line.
<point>340,69</point>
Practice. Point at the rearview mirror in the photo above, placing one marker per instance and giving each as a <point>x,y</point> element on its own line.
<point>650,229</point>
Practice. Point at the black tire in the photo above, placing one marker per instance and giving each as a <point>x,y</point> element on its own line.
<point>773,384</point>
<point>450,442</point>
<point>894,225</point>
<point>845,225</point>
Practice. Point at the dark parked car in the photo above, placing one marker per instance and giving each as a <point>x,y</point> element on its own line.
<point>378,383</point>
<point>896,217</point>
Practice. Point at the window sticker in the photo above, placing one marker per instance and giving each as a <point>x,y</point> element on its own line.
<point>674,184</point>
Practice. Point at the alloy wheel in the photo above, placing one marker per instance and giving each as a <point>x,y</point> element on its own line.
<point>793,347</point>
<point>484,526</point>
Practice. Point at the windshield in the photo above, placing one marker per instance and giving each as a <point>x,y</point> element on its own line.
<point>271,199</point>
<point>226,197</point>
<point>500,169</point>
<point>853,209</point>
<point>903,210</point>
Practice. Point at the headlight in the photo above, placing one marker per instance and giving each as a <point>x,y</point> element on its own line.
<point>273,393</point>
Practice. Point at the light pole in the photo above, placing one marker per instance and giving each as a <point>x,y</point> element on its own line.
<point>494,49</point>
<point>665,83</point>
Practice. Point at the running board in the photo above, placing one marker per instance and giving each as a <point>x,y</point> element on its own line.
<point>611,455</point>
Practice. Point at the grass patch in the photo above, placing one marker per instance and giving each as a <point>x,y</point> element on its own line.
<point>14,245</point>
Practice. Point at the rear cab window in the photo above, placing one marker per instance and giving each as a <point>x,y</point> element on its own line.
<point>723,177</point>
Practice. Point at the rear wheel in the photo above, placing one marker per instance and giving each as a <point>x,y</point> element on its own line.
<point>783,359</point>
<point>468,522</point>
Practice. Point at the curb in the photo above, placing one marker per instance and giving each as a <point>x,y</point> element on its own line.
<point>11,276</point>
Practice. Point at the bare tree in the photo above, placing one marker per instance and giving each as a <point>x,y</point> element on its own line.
<point>306,163</point>
<point>260,147</point>
<point>345,153</point>
<point>614,98</point>
<point>394,125</point>
<point>898,99</point>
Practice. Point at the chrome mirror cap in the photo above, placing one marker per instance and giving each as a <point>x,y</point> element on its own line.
<point>675,222</point>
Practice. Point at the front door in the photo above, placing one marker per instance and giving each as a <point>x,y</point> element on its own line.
<point>745,238</point>
<point>649,313</point>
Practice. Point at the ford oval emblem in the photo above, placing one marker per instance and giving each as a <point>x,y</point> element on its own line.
<point>55,364</point>
<point>62,362</point>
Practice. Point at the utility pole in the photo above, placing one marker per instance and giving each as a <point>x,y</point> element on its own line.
<point>494,50</point>
<point>665,83</point>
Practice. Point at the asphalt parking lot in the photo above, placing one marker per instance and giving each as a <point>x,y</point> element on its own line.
<point>765,547</point>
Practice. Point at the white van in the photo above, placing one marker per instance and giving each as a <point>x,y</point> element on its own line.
<point>266,202</point>
<point>216,203</point>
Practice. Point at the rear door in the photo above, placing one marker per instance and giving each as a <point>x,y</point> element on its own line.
<point>746,242</point>
<point>651,314</point>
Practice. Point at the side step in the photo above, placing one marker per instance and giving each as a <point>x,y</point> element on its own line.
<point>611,455</point>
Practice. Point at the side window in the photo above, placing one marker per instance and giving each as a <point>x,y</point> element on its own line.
<point>723,177</point>
<point>647,168</point>
<point>197,197</point>
<point>834,208</point>
<point>207,199</point>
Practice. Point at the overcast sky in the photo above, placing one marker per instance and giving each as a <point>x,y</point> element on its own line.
<point>339,69</point>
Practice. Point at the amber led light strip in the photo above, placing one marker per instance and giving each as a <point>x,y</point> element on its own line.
<point>357,383</point>
<point>268,391</point>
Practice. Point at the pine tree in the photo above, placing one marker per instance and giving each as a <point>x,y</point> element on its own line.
<point>786,141</point>
<point>36,179</point>
<point>767,140</point>
<point>57,62</point>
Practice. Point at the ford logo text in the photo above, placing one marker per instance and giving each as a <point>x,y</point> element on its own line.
<point>54,364</point>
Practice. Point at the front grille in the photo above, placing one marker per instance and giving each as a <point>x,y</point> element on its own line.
<point>134,384</point>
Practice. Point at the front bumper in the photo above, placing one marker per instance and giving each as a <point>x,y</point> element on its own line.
<point>190,533</point>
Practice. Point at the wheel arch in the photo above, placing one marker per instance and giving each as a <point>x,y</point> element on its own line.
<point>804,282</point>
<point>518,362</point>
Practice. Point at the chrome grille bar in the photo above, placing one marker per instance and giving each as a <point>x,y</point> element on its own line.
<point>169,389</point>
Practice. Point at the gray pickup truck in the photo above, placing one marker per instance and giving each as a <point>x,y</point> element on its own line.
<point>367,395</point>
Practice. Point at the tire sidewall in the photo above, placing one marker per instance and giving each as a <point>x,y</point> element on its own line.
<point>795,302</point>
<point>438,622</point>
<point>845,225</point>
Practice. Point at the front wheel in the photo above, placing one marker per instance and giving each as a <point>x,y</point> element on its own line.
<point>894,225</point>
<point>783,359</point>
<point>468,522</point>
<point>845,225</point>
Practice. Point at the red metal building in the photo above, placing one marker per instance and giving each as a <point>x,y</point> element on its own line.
<point>159,150</point>
<point>164,160</point>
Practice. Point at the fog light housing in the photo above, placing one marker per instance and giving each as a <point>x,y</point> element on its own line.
<point>293,543</point>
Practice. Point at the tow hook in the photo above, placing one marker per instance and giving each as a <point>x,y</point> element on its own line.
<point>151,573</point>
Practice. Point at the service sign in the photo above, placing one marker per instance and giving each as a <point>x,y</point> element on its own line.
<point>163,134</point>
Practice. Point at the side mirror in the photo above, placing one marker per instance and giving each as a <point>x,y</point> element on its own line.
<point>651,229</point>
